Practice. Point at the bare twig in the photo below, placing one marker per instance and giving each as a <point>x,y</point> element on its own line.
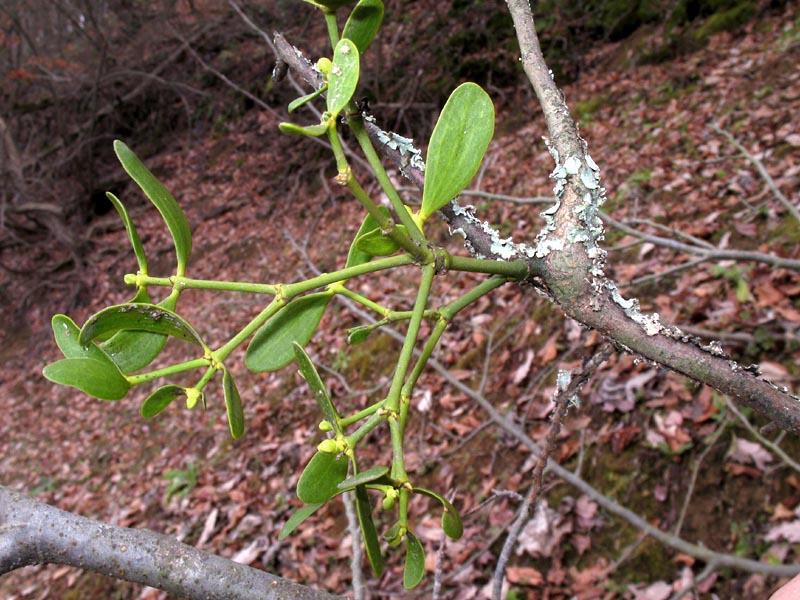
<point>355,542</point>
<point>569,386</point>
<point>761,170</point>
<point>788,460</point>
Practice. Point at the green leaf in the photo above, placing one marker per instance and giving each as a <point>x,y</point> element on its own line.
<point>451,520</point>
<point>139,317</point>
<point>298,102</point>
<point>458,144</point>
<point>368,476</point>
<point>311,375</point>
<point>310,131</point>
<point>233,405</point>
<point>356,335</point>
<point>97,378</point>
<point>374,243</point>
<point>159,195</point>
<point>134,350</point>
<point>271,346</point>
<point>368,531</point>
<point>415,562</point>
<point>343,78</point>
<point>138,249</point>
<point>300,515</point>
<point>161,399</point>
<point>67,334</point>
<point>355,256</point>
<point>320,479</point>
<point>363,23</point>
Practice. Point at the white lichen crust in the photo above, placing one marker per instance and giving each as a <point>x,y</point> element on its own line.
<point>409,155</point>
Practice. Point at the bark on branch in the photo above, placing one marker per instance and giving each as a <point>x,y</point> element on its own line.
<point>33,533</point>
<point>566,262</point>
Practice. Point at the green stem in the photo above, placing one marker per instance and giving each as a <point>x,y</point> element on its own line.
<point>362,300</point>
<point>517,269</point>
<point>333,26</point>
<point>268,288</point>
<point>375,419</point>
<point>186,283</point>
<point>449,311</point>
<point>402,508</point>
<point>446,315</point>
<point>347,421</point>
<point>338,153</point>
<point>393,403</point>
<point>166,371</point>
<point>357,125</point>
<point>272,308</point>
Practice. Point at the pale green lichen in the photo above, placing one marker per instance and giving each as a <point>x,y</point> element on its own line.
<point>409,155</point>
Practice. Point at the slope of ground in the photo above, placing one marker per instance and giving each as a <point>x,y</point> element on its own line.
<point>654,442</point>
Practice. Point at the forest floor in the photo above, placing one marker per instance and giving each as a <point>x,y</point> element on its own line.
<point>669,450</point>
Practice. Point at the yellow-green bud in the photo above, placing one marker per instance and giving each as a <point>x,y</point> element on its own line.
<point>328,446</point>
<point>389,498</point>
<point>324,65</point>
<point>325,426</point>
<point>192,396</point>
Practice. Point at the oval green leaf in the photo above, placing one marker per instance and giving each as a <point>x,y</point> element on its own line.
<point>458,144</point>
<point>134,350</point>
<point>451,520</point>
<point>414,569</point>
<point>356,335</point>
<point>364,477</point>
<point>97,378</point>
<point>233,405</point>
<point>159,195</point>
<point>136,242</point>
<point>139,317</point>
<point>363,23</point>
<point>320,479</point>
<point>355,256</point>
<point>343,78</point>
<point>67,334</point>
<point>375,243</point>
<point>310,131</point>
<point>161,399</point>
<point>297,518</point>
<point>314,381</point>
<point>271,347</point>
<point>368,532</point>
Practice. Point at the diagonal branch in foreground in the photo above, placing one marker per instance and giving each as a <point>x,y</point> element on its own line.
<point>33,533</point>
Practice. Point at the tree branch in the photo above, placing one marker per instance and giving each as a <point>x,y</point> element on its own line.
<point>34,533</point>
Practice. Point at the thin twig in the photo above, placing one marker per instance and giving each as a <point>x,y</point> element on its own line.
<point>761,170</point>
<point>355,542</point>
<point>788,460</point>
<point>562,402</point>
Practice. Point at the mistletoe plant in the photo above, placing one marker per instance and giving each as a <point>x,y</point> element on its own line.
<point>110,353</point>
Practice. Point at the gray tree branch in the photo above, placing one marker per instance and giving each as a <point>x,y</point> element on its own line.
<point>33,533</point>
<point>566,262</point>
